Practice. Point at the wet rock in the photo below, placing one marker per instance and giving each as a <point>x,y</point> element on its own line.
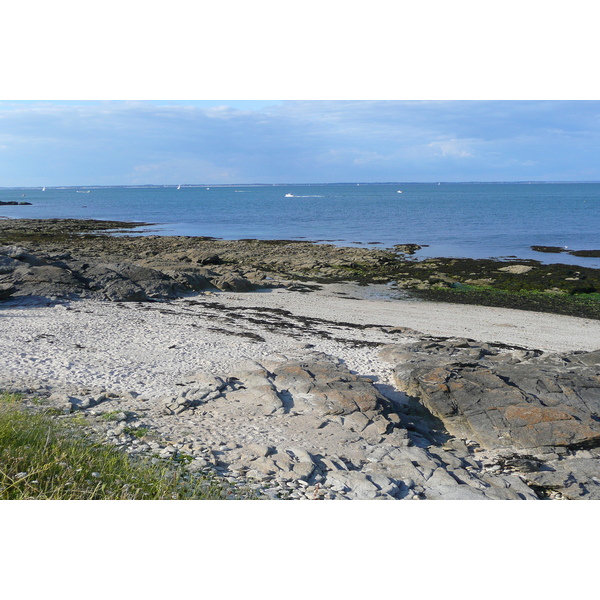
<point>407,248</point>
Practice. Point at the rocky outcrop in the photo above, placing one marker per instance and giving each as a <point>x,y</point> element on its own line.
<point>354,444</point>
<point>291,429</point>
<point>259,261</point>
<point>65,275</point>
<point>505,399</point>
<point>537,414</point>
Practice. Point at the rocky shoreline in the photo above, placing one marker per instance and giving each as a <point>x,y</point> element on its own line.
<point>69,258</point>
<point>318,408</point>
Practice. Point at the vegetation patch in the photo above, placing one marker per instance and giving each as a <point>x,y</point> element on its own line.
<point>578,305</point>
<point>45,458</point>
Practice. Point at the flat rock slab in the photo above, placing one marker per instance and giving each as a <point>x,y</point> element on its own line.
<point>504,397</point>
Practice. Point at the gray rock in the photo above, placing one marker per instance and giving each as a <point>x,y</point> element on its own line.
<point>534,403</point>
<point>8,264</point>
<point>264,465</point>
<point>259,449</point>
<point>7,290</point>
<point>303,470</point>
<point>232,283</point>
<point>455,492</point>
<point>356,421</point>
<point>262,398</point>
<point>125,282</point>
<point>301,455</point>
<point>326,387</point>
<point>355,483</point>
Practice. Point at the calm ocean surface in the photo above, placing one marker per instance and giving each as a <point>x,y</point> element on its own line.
<point>461,220</point>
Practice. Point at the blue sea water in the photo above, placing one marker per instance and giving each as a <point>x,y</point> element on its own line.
<point>475,220</point>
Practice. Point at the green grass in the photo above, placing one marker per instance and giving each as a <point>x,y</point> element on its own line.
<point>46,458</point>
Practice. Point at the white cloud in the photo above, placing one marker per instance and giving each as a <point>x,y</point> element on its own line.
<point>453,147</point>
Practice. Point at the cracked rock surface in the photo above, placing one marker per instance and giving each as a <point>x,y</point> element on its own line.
<point>542,407</point>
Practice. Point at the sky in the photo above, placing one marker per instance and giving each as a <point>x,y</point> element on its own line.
<point>129,142</point>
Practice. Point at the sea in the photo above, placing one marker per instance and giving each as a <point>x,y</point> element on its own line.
<point>470,220</point>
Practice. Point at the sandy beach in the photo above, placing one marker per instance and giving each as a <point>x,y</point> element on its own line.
<point>131,345</point>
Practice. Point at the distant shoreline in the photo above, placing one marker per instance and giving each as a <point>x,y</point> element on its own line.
<point>157,185</point>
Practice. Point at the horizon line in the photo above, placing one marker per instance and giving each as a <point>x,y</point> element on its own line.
<point>168,185</point>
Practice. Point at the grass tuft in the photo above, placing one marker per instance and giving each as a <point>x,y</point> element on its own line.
<point>45,458</point>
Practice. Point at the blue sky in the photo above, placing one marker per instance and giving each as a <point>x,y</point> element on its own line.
<point>169,142</point>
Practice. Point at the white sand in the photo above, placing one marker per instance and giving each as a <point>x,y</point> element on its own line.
<point>544,331</point>
<point>150,347</point>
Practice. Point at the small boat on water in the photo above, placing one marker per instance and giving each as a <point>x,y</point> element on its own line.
<point>43,189</point>
<point>289,195</point>
<point>399,191</point>
<point>178,187</point>
<point>83,191</point>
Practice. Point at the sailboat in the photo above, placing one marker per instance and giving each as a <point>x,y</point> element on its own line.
<point>179,187</point>
<point>43,189</point>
